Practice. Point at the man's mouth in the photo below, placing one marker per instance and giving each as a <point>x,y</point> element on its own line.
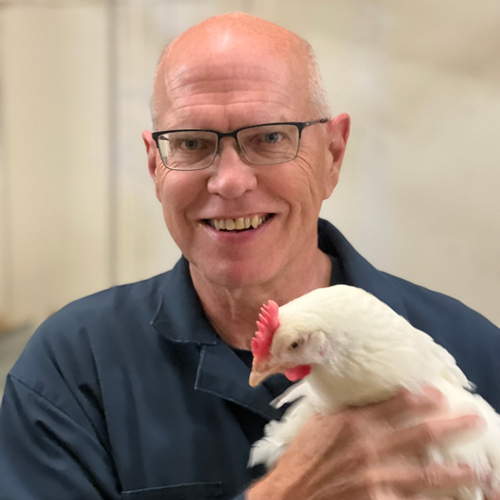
<point>239,224</point>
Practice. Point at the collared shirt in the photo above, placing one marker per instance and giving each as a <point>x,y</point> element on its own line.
<point>130,394</point>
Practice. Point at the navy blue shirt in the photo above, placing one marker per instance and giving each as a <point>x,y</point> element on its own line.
<point>130,394</point>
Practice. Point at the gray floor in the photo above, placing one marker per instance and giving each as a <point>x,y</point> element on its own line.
<point>11,345</point>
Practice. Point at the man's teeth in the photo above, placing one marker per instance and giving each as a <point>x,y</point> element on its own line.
<point>240,223</point>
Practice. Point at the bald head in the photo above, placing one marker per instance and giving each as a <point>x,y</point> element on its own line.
<point>240,37</point>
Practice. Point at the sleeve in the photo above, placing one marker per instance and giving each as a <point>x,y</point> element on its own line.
<point>46,455</point>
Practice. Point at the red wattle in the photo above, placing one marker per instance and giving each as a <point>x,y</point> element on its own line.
<point>297,373</point>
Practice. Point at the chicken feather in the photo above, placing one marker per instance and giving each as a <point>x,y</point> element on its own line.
<point>360,351</point>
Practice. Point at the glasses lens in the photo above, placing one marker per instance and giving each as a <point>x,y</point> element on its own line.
<point>269,144</point>
<point>189,150</point>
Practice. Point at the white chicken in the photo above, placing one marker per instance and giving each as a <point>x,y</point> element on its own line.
<point>352,349</point>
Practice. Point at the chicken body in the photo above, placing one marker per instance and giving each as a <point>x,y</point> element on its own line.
<point>360,351</point>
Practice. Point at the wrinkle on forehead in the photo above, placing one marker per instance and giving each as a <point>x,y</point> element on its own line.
<point>226,72</point>
<point>227,111</point>
<point>224,77</point>
<point>218,98</point>
<point>223,81</point>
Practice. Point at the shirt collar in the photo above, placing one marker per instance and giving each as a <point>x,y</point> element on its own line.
<point>357,270</point>
<point>180,316</point>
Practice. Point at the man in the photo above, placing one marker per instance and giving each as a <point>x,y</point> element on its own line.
<point>141,391</point>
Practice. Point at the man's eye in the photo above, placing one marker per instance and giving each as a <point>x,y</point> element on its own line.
<point>273,137</point>
<point>190,144</point>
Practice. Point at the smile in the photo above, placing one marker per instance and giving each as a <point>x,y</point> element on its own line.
<point>239,224</point>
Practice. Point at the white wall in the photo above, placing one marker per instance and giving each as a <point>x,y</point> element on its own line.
<point>419,189</point>
<point>54,104</point>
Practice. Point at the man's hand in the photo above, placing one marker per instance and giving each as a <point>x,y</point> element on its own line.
<point>368,453</point>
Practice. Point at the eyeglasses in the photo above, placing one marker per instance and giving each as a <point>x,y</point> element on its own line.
<point>267,144</point>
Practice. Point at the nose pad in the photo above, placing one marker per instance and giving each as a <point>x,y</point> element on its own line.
<point>237,147</point>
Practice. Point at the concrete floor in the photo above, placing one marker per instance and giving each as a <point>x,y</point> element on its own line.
<point>11,345</point>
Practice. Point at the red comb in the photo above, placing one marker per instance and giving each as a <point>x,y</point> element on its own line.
<point>268,324</point>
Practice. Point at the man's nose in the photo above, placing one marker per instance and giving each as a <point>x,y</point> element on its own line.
<point>231,176</point>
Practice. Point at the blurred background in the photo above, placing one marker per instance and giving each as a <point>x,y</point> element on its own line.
<point>419,194</point>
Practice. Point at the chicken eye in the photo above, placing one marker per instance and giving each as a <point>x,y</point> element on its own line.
<point>294,345</point>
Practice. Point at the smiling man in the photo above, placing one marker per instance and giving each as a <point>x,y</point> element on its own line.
<point>141,391</point>
<point>274,176</point>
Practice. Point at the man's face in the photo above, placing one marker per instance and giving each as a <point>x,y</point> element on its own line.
<point>224,92</point>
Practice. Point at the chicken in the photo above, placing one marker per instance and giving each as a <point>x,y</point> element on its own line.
<point>351,349</point>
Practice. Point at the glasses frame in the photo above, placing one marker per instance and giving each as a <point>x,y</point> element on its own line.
<point>234,134</point>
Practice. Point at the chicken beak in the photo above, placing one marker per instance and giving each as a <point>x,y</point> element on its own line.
<point>260,371</point>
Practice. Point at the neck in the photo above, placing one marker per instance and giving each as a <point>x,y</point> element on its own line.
<point>338,391</point>
<point>234,311</point>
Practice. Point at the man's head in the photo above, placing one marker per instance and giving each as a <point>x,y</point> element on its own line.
<point>230,72</point>
<point>222,30</point>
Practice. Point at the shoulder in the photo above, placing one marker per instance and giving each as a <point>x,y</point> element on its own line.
<point>74,341</point>
<point>101,312</point>
<point>471,338</point>
<point>436,311</point>
<point>113,303</point>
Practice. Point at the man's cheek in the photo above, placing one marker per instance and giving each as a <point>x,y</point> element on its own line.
<point>310,180</point>
<point>171,188</point>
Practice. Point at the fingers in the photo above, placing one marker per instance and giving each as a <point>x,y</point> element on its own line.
<point>415,440</point>
<point>397,481</point>
<point>432,478</point>
<point>405,404</point>
<point>491,494</point>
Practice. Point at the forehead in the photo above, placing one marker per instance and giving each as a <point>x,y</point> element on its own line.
<point>232,90</point>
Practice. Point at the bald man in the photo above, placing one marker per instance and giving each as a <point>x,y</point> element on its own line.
<point>141,391</point>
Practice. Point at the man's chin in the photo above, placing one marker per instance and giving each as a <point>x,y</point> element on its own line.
<point>232,275</point>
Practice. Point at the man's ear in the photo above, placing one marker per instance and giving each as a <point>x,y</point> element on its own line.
<point>338,133</point>
<point>149,142</point>
<point>151,152</point>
